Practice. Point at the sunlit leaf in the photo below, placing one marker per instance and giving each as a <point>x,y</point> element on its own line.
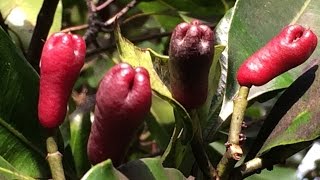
<point>136,56</point>
<point>21,17</point>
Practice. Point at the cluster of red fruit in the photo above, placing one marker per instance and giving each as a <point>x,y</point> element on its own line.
<point>124,95</point>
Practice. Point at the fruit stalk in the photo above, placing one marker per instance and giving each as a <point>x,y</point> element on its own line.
<point>54,157</point>
<point>61,61</point>
<point>233,149</point>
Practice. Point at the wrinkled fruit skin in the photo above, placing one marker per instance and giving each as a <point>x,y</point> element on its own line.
<point>191,53</point>
<point>61,61</point>
<point>123,100</point>
<point>290,48</point>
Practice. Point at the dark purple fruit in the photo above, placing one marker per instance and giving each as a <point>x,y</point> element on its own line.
<point>191,55</point>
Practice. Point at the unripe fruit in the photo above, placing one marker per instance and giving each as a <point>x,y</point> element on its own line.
<point>290,48</point>
<point>123,100</point>
<point>191,55</point>
<point>61,61</point>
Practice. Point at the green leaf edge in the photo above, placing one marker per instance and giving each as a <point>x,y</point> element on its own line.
<point>283,140</point>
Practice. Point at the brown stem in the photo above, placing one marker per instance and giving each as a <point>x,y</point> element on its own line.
<point>253,166</point>
<point>240,105</point>
<point>41,30</point>
<point>103,5</point>
<point>54,158</point>
<point>75,28</point>
<point>234,151</point>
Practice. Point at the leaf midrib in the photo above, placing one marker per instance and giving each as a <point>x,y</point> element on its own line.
<point>20,136</point>
<point>299,14</point>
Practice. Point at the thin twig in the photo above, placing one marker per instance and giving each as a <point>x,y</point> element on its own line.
<point>136,40</point>
<point>121,12</point>
<point>41,30</point>
<point>91,6</point>
<point>85,26</point>
<point>253,166</point>
<point>95,23</point>
<point>75,28</point>
<point>234,151</point>
<point>103,5</point>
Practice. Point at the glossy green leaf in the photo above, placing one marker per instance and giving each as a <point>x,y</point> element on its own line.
<point>199,7</point>
<point>221,37</point>
<point>80,127</point>
<point>212,103</point>
<point>6,165</point>
<point>214,77</point>
<point>171,12</point>
<point>22,139</point>
<point>292,123</point>
<point>182,134</point>
<point>301,122</point>
<point>142,169</point>
<point>175,151</point>
<point>160,121</point>
<point>278,172</point>
<point>96,71</point>
<point>253,24</point>
<point>9,172</point>
<point>172,173</point>
<point>151,169</point>
<point>21,17</point>
<point>213,81</point>
<point>102,171</point>
<point>167,16</point>
<point>181,114</point>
